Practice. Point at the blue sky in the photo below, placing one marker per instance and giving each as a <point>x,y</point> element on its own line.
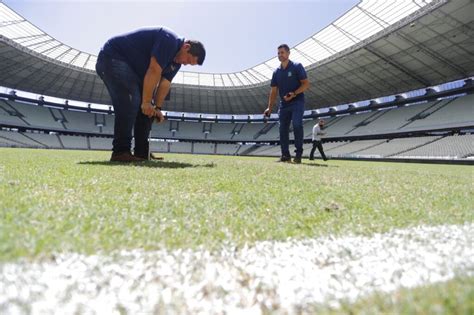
<point>237,34</point>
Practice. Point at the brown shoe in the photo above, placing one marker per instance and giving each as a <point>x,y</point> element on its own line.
<point>153,156</point>
<point>284,159</point>
<point>125,157</point>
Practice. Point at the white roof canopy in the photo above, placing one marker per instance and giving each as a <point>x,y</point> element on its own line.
<point>362,21</point>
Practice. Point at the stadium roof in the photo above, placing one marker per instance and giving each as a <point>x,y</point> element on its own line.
<point>377,48</point>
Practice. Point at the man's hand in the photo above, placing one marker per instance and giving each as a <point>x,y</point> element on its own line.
<point>267,112</point>
<point>288,97</point>
<point>148,110</point>
<point>159,115</point>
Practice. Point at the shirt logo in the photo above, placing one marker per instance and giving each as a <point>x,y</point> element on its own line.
<point>289,73</point>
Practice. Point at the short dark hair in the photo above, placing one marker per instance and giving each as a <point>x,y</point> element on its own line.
<point>284,46</point>
<point>197,50</point>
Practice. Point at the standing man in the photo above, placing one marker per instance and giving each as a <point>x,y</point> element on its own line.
<point>317,133</point>
<point>289,81</point>
<point>133,66</point>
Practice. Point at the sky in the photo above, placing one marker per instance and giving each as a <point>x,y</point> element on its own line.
<point>237,34</point>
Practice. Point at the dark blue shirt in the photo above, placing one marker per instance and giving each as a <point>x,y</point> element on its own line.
<point>288,80</point>
<point>138,47</point>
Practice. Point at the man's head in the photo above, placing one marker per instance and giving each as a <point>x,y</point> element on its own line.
<point>321,123</point>
<point>283,52</point>
<point>191,53</point>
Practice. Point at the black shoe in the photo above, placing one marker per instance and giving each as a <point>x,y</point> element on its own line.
<point>285,159</point>
<point>297,160</point>
<point>325,159</point>
<point>125,157</point>
<point>311,158</point>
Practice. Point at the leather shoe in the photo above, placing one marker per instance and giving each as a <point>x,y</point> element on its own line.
<point>125,157</point>
<point>285,159</point>
<point>153,156</point>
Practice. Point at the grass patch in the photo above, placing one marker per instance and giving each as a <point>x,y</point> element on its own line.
<point>77,201</point>
<point>452,297</point>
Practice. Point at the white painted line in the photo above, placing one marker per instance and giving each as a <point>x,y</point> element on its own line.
<point>281,276</point>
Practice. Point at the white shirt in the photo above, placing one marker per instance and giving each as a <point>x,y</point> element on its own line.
<point>317,133</point>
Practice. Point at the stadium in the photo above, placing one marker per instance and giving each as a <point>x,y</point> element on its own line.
<point>217,227</point>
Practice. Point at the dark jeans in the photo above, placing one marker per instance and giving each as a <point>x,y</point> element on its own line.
<point>125,89</point>
<point>319,145</point>
<point>291,113</point>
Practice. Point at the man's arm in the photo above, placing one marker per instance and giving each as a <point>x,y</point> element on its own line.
<point>303,87</point>
<point>163,90</point>
<point>152,77</point>
<point>271,101</point>
<point>318,131</point>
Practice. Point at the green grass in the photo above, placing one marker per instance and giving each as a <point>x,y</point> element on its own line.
<point>452,297</point>
<point>77,201</point>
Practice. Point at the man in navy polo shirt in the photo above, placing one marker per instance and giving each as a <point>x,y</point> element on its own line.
<point>137,69</point>
<point>290,81</point>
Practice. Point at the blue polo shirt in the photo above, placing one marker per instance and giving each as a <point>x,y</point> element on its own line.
<point>136,49</point>
<point>288,80</point>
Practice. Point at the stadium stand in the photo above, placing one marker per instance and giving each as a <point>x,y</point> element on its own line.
<point>447,113</point>
<point>452,147</point>
<point>204,148</point>
<point>180,147</point>
<point>455,112</point>
<point>227,149</point>
<point>47,140</point>
<point>75,142</point>
<point>100,143</point>
<point>392,147</point>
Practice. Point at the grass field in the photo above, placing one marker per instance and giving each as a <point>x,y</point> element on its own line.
<point>77,201</point>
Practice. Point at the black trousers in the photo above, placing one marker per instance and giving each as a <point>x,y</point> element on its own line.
<point>319,145</point>
<point>125,89</point>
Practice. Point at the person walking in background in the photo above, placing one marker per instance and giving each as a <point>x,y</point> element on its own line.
<point>289,81</point>
<point>317,133</point>
<point>133,66</point>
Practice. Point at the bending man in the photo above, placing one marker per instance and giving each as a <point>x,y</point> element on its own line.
<point>132,66</point>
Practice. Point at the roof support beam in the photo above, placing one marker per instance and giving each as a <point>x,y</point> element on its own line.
<point>29,37</point>
<point>40,43</point>
<point>433,55</point>
<point>375,18</point>
<point>352,37</point>
<point>59,57</point>
<point>8,23</point>
<point>324,46</point>
<point>75,57</point>
<point>260,77</point>
<point>397,66</point>
<point>87,60</point>
<point>250,74</point>
<point>309,58</point>
<point>52,48</point>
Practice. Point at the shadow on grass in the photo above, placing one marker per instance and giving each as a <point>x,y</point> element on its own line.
<point>149,164</point>
<point>319,165</point>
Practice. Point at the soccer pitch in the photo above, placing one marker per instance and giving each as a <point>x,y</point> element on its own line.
<point>55,202</point>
